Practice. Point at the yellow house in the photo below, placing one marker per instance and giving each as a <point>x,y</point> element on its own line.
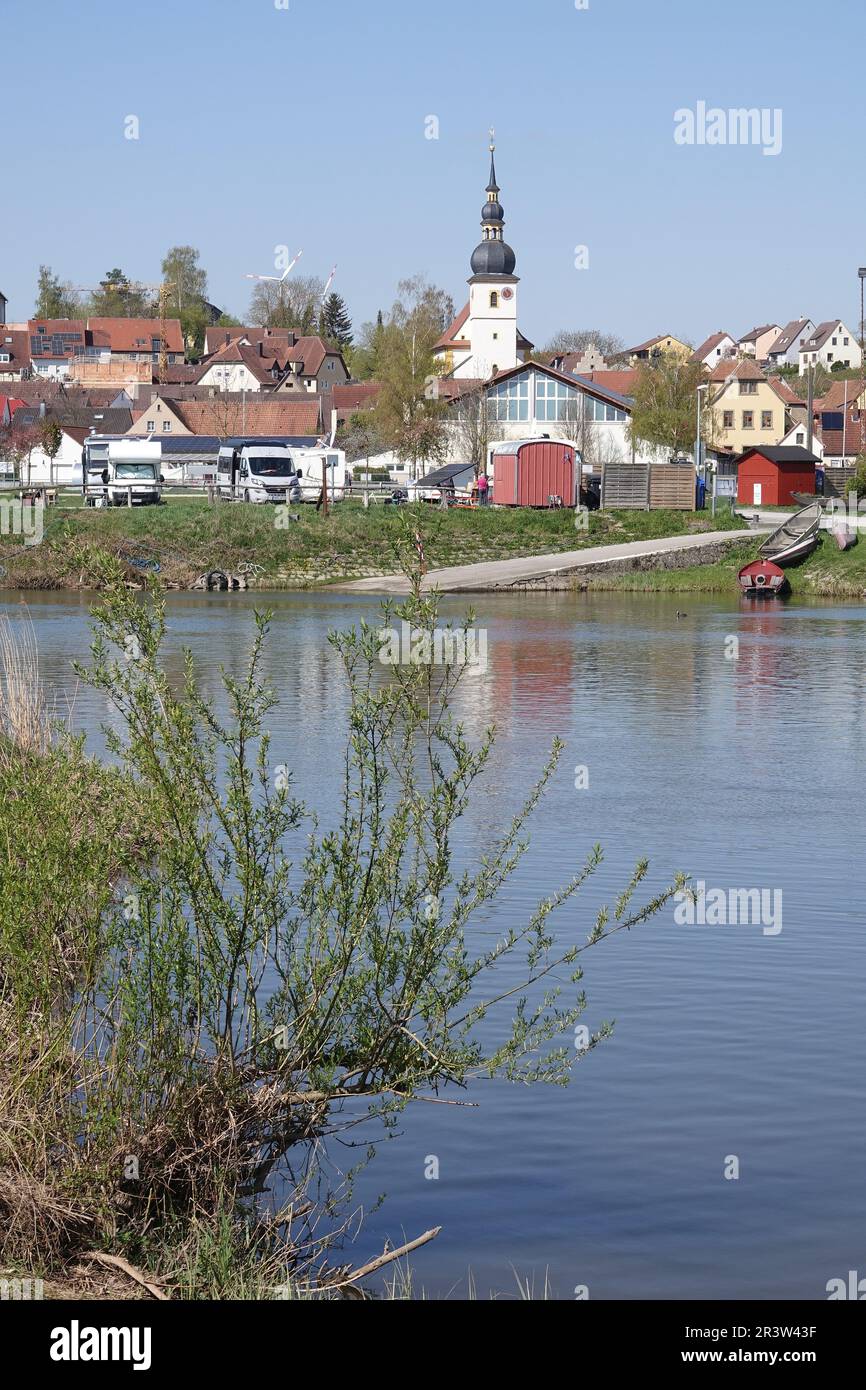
<point>745,408</point>
<point>655,347</point>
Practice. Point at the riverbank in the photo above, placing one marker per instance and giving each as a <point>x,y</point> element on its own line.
<point>188,539</point>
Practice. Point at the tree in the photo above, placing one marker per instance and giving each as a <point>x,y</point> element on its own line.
<point>335,325</point>
<point>409,415</point>
<point>577,340</point>
<point>292,303</point>
<point>362,358</point>
<point>665,403</point>
<point>55,299</point>
<point>360,437</point>
<point>186,296</point>
<point>19,443</point>
<point>472,430</point>
<point>118,298</point>
<point>50,438</point>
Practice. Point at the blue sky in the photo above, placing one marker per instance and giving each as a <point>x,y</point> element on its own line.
<point>306,126</point>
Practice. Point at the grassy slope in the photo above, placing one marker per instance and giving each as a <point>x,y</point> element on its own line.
<point>829,572</point>
<point>188,538</point>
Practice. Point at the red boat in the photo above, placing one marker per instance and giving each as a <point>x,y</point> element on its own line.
<point>762,579</point>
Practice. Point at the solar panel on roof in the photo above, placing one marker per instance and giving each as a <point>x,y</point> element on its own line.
<point>832,419</point>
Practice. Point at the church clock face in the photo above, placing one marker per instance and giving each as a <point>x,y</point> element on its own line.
<point>508,294</point>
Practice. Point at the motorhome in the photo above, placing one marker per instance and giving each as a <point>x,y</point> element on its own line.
<point>262,470</point>
<point>256,470</point>
<point>119,471</point>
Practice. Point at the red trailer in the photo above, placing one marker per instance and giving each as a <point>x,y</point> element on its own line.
<point>535,473</point>
<point>770,475</point>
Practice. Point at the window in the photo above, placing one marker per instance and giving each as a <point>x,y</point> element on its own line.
<point>495,336</point>
<point>748,419</point>
<point>166,426</point>
<point>748,388</point>
<point>555,400</point>
<point>727,419</point>
<point>830,356</point>
<point>766,419</point>
<point>5,357</point>
<point>509,400</point>
<point>330,366</point>
<point>844,342</point>
<point>150,427</point>
<point>801,439</point>
<point>835,341</point>
<point>494,299</point>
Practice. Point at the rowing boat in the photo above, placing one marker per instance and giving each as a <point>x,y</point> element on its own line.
<point>795,538</point>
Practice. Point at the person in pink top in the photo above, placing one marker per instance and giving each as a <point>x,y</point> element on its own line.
<point>482,489</point>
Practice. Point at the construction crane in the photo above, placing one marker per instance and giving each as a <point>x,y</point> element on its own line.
<point>162,289</point>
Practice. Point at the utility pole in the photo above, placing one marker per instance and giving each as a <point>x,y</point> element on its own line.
<point>810,405</point>
<point>862,274</point>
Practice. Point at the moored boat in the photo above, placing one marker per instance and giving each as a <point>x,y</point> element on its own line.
<point>762,579</point>
<point>795,538</point>
<point>844,535</point>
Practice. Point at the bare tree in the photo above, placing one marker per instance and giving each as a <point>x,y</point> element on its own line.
<point>292,303</point>
<point>472,428</point>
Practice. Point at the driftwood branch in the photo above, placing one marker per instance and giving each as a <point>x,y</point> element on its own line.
<point>118,1262</point>
<point>386,1258</point>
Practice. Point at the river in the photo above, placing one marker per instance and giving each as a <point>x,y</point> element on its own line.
<point>738,1049</point>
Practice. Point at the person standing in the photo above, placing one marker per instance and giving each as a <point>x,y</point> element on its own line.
<point>482,489</point>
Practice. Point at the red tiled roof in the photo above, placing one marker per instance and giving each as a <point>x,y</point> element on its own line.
<point>709,346</point>
<point>615,380</point>
<point>746,369</point>
<point>136,335</point>
<point>451,337</point>
<point>355,395</point>
<point>274,416</point>
<point>784,391</point>
<point>216,337</point>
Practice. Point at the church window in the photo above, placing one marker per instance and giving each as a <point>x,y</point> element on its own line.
<point>494,299</point>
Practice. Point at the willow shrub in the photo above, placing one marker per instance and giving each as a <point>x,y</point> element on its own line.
<point>264,980</point>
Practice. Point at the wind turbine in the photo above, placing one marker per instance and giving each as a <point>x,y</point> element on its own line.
<point>329,284</point>
<point>277,279</point>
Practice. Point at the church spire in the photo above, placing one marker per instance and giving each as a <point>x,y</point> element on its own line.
<point>493,256</point>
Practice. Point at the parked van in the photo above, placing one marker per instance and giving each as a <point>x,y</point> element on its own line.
<point>256,470</point>
<point>120,471</point>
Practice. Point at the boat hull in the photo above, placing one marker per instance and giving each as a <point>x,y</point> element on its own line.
<point>762,579</point>
<point>795,538</point>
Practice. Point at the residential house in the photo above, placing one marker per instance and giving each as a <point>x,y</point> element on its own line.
<point>217,337</point>
<point>136,340</point>
<point>830,344</point>
<point>227,418</point>
<point>314,366</point>
<point>717,348</point>
<point>746,409</point>
<point>54,345</point>
<point>590,359</point>
<point>798,438</point>
<point>655,347</point>
<point>758,341</point>
<point>785,351</point>
<point>240,366</point>
<point>14,353</point>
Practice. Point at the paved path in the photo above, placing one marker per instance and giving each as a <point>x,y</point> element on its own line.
<point>506,574</point>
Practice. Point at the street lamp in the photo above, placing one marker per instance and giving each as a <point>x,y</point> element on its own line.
<point>699,445</point>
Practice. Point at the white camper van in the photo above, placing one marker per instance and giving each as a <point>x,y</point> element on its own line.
<point>120,471</point>
<point>256,470</point>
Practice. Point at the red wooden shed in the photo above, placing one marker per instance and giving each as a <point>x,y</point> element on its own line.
<point>529,472</point>
<point>769,475</point>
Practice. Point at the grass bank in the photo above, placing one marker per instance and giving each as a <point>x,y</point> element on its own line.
<point>827,573</point>
<point>188,538</point>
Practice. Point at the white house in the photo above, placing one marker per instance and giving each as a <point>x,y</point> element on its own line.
<point>830,344</point>
<point>758,341</point>
<point>785,351</point>
<point>715,349</point>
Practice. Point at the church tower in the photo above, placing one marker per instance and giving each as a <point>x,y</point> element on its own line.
<point>492,323</point>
